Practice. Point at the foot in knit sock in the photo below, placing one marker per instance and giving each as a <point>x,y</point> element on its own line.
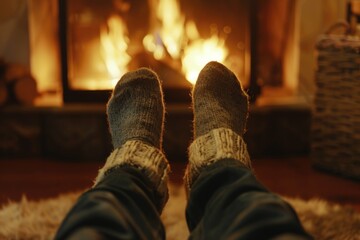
<point>219,101</point>
<point>136,116</point>
<point>136,109</point>
<point>220,112</point>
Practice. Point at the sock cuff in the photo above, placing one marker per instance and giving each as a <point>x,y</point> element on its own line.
<point>218,144</point>
<point>140,155</point>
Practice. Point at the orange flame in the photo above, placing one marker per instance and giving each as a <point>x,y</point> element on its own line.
<point>201,51</point>
<point>114,45</point>
<point>181,40</point>
<point>172,30</point>
<point>169,33</point>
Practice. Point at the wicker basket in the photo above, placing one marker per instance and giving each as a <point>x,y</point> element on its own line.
<point>335,143</point>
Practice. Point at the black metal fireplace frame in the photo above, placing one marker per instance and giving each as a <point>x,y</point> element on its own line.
<point>172,95</point>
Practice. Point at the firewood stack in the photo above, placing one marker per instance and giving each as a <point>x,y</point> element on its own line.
<point>17,85</point>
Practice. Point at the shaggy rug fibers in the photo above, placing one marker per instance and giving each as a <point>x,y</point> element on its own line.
<point>40,219</point>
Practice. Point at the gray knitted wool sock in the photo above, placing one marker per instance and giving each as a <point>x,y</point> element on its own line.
<point>219,101</point>
<point>136,116</point>
<point>136,109</point>
<point>220,111</point>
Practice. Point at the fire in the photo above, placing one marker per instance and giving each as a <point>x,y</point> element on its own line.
<point>201,51</point>
<point>172,30</point>
<point>172,38</point>
<point>168,35</point>
<point>182,41</point>
<point>114,45</point>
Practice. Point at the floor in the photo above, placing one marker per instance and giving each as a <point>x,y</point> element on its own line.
<point>294,177</point>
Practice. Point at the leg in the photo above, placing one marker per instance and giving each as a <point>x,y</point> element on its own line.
<point>227,202</point>
<point>225,199</point>
<point>131,189</point>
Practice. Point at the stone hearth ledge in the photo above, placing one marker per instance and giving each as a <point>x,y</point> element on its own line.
<point>80,131</point>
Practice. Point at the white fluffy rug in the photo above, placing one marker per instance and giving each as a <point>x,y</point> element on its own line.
<point>40,219</point>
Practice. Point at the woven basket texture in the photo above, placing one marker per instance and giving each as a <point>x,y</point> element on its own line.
<point>335,144</point>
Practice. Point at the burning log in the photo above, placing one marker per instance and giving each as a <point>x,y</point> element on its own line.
<point>25,90</point>
<point>16,85</point>
<point>166,70</point>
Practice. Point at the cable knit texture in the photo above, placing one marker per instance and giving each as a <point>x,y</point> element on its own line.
<point>136,118</point>
<point>142,156</point>
<point>218,144</point>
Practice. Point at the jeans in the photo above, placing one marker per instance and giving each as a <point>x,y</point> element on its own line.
<point>225,202</point>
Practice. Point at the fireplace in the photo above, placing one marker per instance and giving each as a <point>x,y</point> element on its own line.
<point>274,42</point>
<point>272,46</point>
<point>101,40</point>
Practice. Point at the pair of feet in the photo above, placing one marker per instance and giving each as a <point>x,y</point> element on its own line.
<point>136,107</point>
<point>136,120</point>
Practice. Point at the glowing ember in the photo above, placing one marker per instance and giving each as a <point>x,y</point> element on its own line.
<point>114,45</point>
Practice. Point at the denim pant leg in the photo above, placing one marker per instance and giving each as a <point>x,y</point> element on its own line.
<point>227,202</point>
<point>121,206</point>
